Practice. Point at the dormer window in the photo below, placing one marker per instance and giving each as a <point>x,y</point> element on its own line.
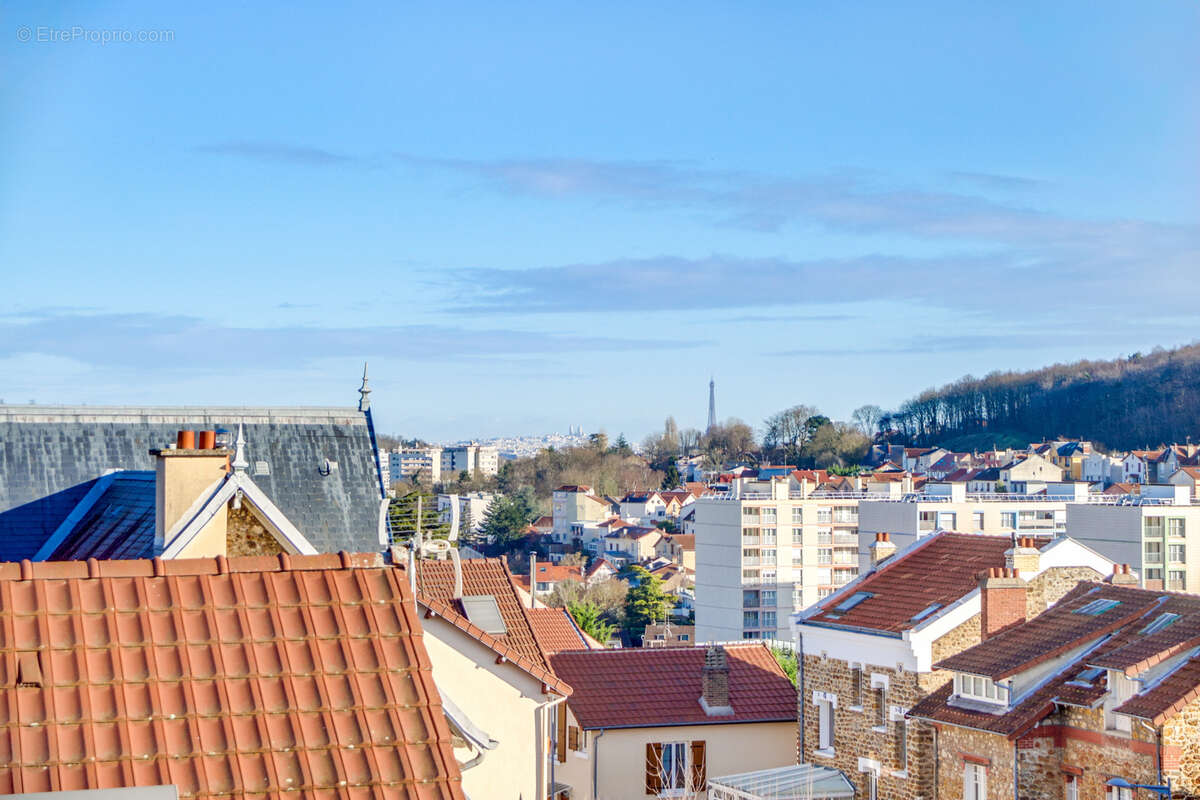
<point>981,689</point>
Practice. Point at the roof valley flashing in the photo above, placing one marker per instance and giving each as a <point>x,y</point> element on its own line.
<point>318,465</point>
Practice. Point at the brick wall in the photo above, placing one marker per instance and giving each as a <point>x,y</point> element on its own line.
<point>246,536</point>
<point>1181,748</point>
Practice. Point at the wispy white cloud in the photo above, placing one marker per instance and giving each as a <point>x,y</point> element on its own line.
<point>178,342</point>
<point>279,153</point>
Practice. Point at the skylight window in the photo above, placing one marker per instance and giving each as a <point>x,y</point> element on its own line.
<point>1087,677</point>
<point>1163,620</point>
<point>851,601</point>
<point>925,612</point>
<point>484,613</point>
<point>1097,607</point>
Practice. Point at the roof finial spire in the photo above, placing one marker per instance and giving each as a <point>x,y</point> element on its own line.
<point>239,454</point>
<point>364,391</point>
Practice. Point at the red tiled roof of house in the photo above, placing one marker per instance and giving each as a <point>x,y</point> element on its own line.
<point>570,487</point>
<point>487,576</point>
<point>248,677</point>
<point>544,521</point>
<point>941,568</point>
<point>549,572</point>
<point>1123,488</point>
<point>632,688</point>
<point>597,564</point>
<point>556,631</point>
<point>687,541</point>
<point>1121,642</point>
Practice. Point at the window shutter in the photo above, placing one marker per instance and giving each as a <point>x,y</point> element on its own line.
<point>573,737</point>
<point>654,782</point>
<point>699,768</point>
<point>560,732</point>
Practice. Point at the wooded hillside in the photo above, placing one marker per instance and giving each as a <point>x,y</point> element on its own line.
<point>1133,402</point>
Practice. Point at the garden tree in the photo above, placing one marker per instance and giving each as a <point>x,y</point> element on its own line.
<point>671,478</point>
<point>608,595</point>
<point>606,472</point>
<point>866,419</point>
<point>413,507</point>
<point>786,658</point>
<point>646,603</point>
<point>573,560</point>
<point>622,446</point>
<point>836,444</point>
<point>589,617</point>
<point>785,433</point>
<point>599,441</point>
<point>666,525</point>
<point>507,519</point>
<point>731,440</point>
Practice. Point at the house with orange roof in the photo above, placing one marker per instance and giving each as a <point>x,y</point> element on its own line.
<point>547,575</point>
<point>235,678</point>
<point>644,507</point>
<point>557,632</point>
<point>573,505</point>
<point>631,543</point>
<point>1095,697</point>
<point>691,716</point>
<point>869,650</point>
<point>492,667</point>
<point>680,548</point>
<point>1189,477</point>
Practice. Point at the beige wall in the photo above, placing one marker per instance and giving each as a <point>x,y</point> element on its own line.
<point>621,765</point>
<point>501,700</point>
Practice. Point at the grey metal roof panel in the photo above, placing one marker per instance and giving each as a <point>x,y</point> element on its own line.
<point>46,450</point>
<point>119,524</point>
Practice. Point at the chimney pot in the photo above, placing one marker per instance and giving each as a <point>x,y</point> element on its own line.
<point>208,440</point>
<point>185,440</point>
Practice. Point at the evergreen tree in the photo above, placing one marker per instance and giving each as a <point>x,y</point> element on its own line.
<point>507,519</point>
<point>589,617</point>
<point>646,603</point>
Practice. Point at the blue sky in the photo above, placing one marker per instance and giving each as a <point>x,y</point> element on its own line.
<point>540,215</point>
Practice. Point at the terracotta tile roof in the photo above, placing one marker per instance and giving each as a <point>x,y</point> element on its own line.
<point>687,541</point>
<point>1163,701</point>
<point>487,576</point>
<point>1122,643</point>
<point>1054,632</point>
<point>941,568</point>
<point>548,571</point>
<point>632,688</point>
<point>556,631</point>
<point>238,678</point>
<point>574,488</point>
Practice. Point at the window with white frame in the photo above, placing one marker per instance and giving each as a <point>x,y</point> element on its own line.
<point>974,782</point>
<point>825,724</point>
<point>1119,793</point>
<point>797,514</point>
<point>674,765</point>
<point>902,744</point>
<point>977,687</point>
<point>856,685</point>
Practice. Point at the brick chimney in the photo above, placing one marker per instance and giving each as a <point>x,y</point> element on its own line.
<point>714,682</point>
<point>1001,600</point>
<point>882,548</point>
<point>1024,556</point>
<point>182,474</point>
<point>1124,576</point>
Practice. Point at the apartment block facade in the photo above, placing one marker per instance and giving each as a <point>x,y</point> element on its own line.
<point>762,555</point>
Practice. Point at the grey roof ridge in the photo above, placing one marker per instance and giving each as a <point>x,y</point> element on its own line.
<point>185,414</point>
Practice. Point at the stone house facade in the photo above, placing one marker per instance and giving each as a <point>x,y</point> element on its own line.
<point>1092,697</point>
<point>868,652</point>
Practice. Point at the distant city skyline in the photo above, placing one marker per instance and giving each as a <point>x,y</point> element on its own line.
<point>573,215</point>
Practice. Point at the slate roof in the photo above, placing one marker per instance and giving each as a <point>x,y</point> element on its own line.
<point>238,678</point>
<point>50,455</point>
<point>118,523</point>
<point>637,688</point>
<point>940,568</point>
<point>487,576</point>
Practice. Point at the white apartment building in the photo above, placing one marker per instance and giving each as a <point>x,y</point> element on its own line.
<point>471,508</point>
<point>470,458</point>
<point>1156,532</point>
<point>950,507</point>
<point>766,549</point>
<point>406,463</point>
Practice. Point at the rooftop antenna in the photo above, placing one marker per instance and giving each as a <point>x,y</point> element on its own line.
<point>364,392</point>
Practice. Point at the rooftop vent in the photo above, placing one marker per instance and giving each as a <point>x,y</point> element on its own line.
<point>29,670</point>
